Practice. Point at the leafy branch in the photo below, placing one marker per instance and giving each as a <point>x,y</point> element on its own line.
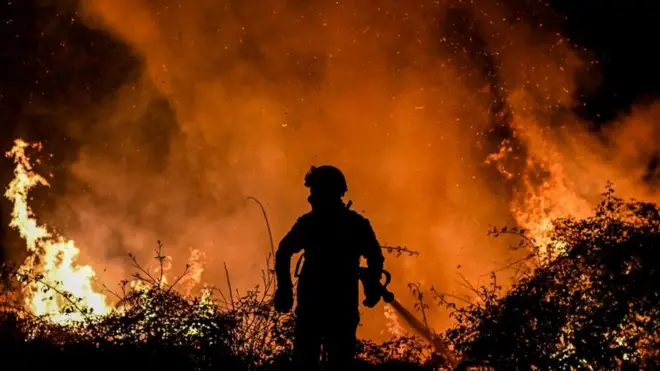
<point>400,250</point>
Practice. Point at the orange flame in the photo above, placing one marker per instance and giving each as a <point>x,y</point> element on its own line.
<point>54,279</point>
<point>51,265</point>
<point>195,268</point>
<point>541,199</point>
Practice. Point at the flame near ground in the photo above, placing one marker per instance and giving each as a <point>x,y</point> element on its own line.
<point>52,259</point>
<point>56,277</point>
<point>446,116</point>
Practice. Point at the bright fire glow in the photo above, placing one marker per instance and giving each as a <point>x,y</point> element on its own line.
<point>55,280</point>
<point>52,261</point>
<point>393,325</point>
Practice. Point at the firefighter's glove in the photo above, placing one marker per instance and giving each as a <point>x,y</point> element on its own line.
<point>372,288</point>
<point>283,299</point>
<point>371,299</point>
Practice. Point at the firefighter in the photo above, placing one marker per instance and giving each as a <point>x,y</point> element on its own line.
<point>333,238</point>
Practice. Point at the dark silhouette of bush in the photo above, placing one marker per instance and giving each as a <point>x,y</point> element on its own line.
<point>588,300</point>
<point>155,326</point>
<point>593,304</point>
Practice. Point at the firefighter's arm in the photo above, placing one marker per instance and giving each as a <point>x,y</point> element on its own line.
<point>372,252</point>
<point>290,245</point>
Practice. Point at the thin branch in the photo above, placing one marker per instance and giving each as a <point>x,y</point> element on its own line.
<point>443,294</point>
<point>512,264</point>
<point>399,250</point>
<point>139,267</point>
<point>64,295</point>
<point>468,285</point>
<point>231,295</point>
<point>270,234</point>
<point>161,259</point>
<point>107,289</point>
<point>185,272</point>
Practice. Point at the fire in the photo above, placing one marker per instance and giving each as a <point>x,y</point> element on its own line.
<point>546,193</point>
<point>57,285</point>
<point>393,325</point>
<point>195,268</point>
<point>210,115</point>
<point>51,269</point>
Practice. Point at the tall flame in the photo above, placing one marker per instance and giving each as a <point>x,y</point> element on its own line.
<point>545,193</point>
<point>56,281</point>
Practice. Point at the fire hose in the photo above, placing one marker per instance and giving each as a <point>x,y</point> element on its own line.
<point>373,286</point>
<point>369,283</point>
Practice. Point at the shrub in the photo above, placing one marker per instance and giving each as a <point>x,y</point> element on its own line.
<point>593,303</point>
<point>154,325</point>
<point>594,306</point>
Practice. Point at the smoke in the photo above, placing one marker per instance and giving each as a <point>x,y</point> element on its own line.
<point>234,99</point>
<point>258,94</point>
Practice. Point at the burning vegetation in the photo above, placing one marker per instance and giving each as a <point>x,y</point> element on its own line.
<point>446,116</point>
<point>594,306</point>
<point>53,304</point>
<point>587,298</point>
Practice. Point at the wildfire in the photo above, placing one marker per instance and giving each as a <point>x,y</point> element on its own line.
<point>195,270</point>
<point>54,279</point>
<point>546,193</point>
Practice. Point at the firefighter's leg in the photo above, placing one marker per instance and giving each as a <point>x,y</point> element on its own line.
<point>307,343</point>
<point>341,342</point>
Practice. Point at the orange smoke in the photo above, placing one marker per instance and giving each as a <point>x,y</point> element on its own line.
<point>237,99</point>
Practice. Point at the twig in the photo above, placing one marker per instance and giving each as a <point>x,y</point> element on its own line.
<point>231,295</point>
<point>185,272</point>
<point>161,259</point>
<point>510,265</point>
<point>440,295</point>
<point>139,267</point>
<point>399,250</point>
<point>270,258</point>
<point>65,296</point>
<point>222,295</point>
<point>469,285</point>
<point>416,290</point>
<point>270,234</point>
<point>111,292</point>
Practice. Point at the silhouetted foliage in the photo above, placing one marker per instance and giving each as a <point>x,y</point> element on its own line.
<point>154,325</point>
<point>588,300</point>
<point>594,305</point>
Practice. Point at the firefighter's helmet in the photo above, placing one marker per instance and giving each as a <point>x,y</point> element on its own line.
<point>326,179</point>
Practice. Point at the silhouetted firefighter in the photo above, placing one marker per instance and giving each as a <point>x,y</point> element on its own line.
<point>333,238</point>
